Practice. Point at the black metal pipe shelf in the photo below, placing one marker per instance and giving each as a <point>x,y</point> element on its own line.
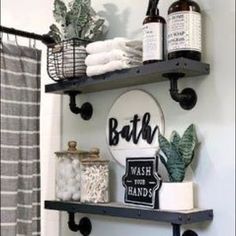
<point>124,211</point>
<point>145,74</point>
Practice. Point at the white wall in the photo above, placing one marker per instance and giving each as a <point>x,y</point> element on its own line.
<point>36,16</point>
<point>214,117</point>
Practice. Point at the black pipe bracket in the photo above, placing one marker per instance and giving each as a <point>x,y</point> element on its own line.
<point>176,231</point>
<point>189,233</point>
<point>187,98</point>
<point>84,226</point>
<point>86,110</point>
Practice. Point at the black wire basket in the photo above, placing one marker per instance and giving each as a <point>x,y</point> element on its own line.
<point>66,60</point>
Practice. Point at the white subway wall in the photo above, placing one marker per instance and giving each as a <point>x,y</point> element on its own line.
<point>214,116</point>
<point>36,16</point>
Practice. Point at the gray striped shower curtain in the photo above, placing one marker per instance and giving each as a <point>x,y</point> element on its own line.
<point>20,166</point>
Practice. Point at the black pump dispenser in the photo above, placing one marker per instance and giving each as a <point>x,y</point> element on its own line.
<point>152,8</point>
<point>153,34</point>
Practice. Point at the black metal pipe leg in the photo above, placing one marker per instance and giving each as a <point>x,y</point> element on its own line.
<point>86,110</point>
<point>187,98</point>
<point>176,229</point>
<point>84,226</point>
<point>189,233</point>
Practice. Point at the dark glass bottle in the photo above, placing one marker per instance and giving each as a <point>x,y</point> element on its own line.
<point>153,34</point>
<point>184,30</point>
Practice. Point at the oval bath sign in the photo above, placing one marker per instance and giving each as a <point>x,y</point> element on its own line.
<point>132,126</point>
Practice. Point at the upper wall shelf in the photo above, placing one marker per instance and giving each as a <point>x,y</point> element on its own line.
<point>135,76</point>
<point>167,70</point>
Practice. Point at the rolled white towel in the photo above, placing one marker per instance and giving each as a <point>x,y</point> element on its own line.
<point>114,55</point>
<point>109,67</point>
<point>116,43</point>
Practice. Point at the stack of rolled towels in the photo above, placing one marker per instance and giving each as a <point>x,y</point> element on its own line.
<point>111,55</point>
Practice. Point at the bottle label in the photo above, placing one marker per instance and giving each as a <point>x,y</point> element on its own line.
<point>153,41</point>
<point>184,31</point>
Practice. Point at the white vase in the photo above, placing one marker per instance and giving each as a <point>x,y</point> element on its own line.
<point>176,196</point>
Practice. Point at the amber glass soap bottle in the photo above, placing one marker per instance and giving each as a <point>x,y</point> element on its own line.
<point>184,30</point>
<point>153,34</point>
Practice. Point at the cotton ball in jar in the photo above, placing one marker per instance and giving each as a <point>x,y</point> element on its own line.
<point>76,196</point>
<point>66,196</point>
<point>76,164</point>
<point>78,177</point>
<point>72,182</point>
<point>72,189</point>
<point>59,195</point>
<point>68,171</point>
<point>61,183</point>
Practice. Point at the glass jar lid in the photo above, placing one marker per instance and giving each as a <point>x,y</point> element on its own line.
<point>94,158</point>
<point>72,150</point>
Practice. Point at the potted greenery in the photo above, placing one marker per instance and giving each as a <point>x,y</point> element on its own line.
<point>176,156</point>
<point>76,25</point>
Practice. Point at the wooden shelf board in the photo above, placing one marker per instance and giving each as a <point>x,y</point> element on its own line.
<point>145,74</point>
<point>134,212</point>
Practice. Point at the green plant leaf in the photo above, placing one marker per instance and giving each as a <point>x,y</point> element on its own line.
<point>164,145</point>
<point>187,144</point>
<point>175,165</point>
<point>163,161</point>
<point>55,33</point>
<point>78,21</point>
<point>175,138</point>
<point>176,171</point>
<point>84,16</point>
<point>59,11</point>
<point>188,163</point>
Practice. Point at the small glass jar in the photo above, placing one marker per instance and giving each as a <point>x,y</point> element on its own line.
<point>94,178</point>
<point>68,173</point>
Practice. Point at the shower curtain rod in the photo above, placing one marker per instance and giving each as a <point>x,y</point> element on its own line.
<point>45,38</point>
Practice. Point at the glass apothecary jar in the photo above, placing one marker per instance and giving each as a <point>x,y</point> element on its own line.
<point>94,178</point>
<point>68,172</point>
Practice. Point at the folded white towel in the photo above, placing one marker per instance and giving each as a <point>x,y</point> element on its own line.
<point>114,55</point>
<point>109,67</point>
<point>126,45</point>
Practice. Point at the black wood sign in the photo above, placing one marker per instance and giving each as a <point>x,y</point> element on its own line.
<point>131,132</point>
<point>142,182</point>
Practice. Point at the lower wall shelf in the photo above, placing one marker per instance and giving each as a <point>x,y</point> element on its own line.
<point>176,218</point>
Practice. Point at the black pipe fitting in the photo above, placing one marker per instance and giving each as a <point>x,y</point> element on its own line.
<point>86,110</point>
<point>187,98</point>
<point>176,229</point>
<point>189,233</point>
<point>84,226</point>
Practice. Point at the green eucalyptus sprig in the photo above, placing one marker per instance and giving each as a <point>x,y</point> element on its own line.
<point>179,152</point>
